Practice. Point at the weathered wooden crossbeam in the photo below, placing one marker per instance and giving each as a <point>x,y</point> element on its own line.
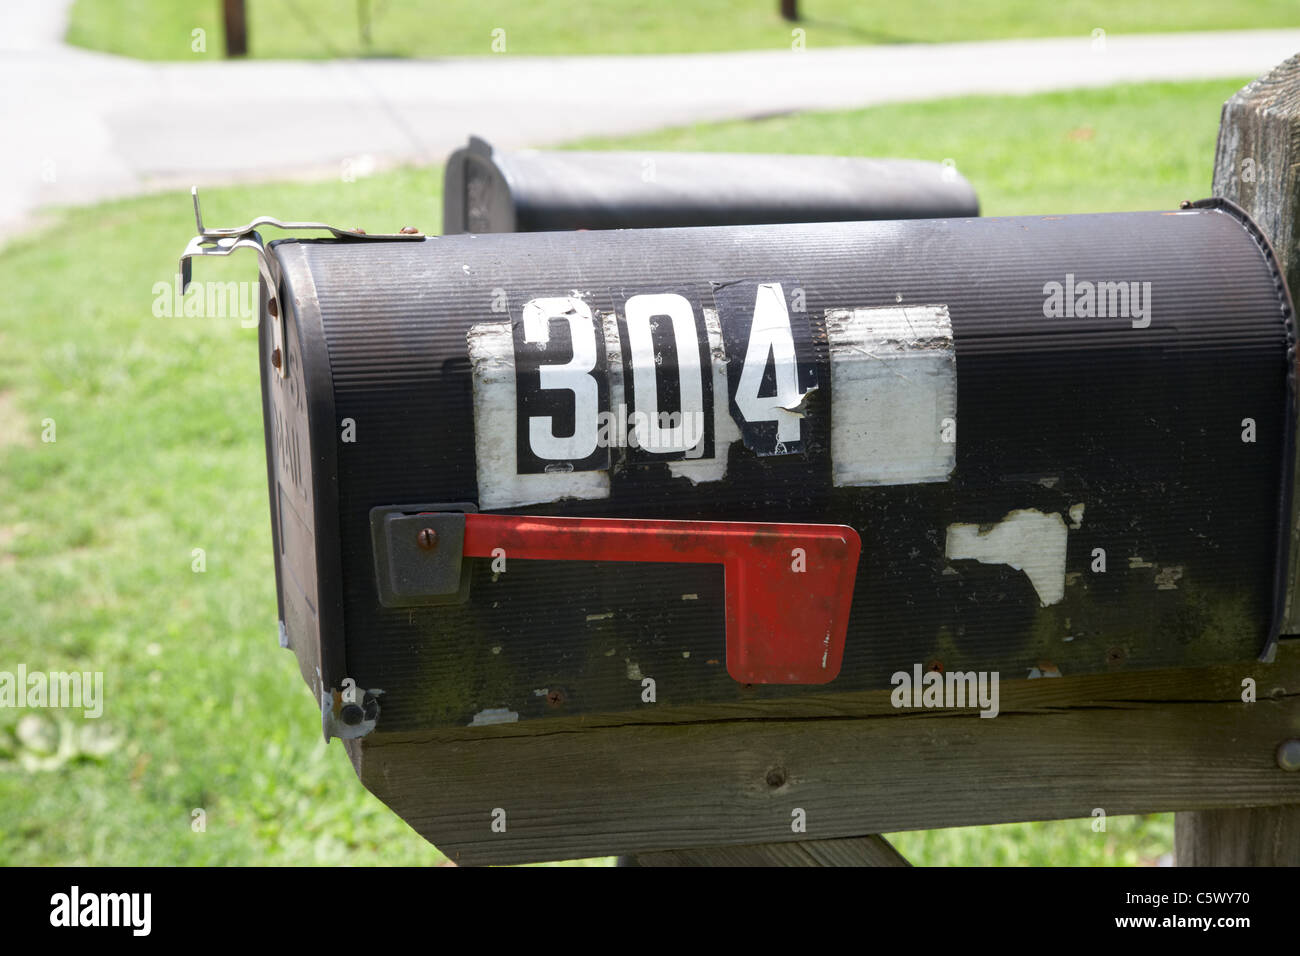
<point>1060,748</point>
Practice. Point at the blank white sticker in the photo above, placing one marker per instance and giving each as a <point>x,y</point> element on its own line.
<point>893,395</point>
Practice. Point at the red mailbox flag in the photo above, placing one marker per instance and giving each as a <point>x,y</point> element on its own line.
<point>788,586</point>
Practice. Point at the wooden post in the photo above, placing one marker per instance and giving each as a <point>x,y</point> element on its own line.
<point>1261,836</point>
<point>363,23</point>
<point>790,10</point>
<point>1257,166</point>
<point>236,28</point>
<point>871,850</point>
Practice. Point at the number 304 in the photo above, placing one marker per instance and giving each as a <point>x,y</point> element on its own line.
<point>565,418</point>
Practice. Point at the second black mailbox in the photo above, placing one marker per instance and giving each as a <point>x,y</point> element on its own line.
<point>512,476</point>
<point>487,190</point>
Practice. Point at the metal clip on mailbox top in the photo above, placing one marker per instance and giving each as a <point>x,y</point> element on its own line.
<point>788,587</point>
<point>222,242</point>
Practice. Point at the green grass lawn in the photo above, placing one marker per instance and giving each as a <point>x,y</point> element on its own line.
<point>159,451</point>
<point>163,29</point>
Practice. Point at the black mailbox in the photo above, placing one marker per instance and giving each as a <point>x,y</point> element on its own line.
<point>513,475</point>
<point>487,190</point>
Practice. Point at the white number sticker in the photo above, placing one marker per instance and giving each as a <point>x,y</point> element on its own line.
<point>658,432</point>
<point>559,428</point>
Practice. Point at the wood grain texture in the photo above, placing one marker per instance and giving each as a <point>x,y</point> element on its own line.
<point>631,784</point>
<point>1261,836</point>
<point>872,850</point>
<point>1255,163</point>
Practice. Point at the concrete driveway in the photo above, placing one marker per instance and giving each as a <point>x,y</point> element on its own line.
<point>81,126</point>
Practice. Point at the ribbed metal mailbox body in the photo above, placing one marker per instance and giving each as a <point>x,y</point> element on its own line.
<point>487,190</point>
<point>1044,480</point>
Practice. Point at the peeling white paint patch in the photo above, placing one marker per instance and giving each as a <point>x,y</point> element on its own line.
<point>1027,540</point>
<point>492,366</point>
<point>633,670</point>
<point>1076,516</point>
<point>1049,482</point>
<point>893,382</point>
<point>494,715</point>
<point>1137,562</point>
<point>725,430</point>
<point>600,617</point>
<point>496,650</point>
<point>1049,671</point>
<point>611,652</point>
<point>686,655</point>
<point>690,597</point>
<point>1167,578</point>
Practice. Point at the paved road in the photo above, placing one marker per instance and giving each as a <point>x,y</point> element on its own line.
<point>81,126</point>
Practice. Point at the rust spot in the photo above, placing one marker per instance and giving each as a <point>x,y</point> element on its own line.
<point>1115,655</point>
<point>410,231</point>
<point>935,666</point>
<point>275,358</point>
<point>555,697</point>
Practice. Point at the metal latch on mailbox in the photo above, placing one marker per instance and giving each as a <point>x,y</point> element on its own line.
<point>212,241</point>
<point>788,587</point>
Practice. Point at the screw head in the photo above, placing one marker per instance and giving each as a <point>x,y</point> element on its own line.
<point>427,539</point>
<point>776,777</point>
<point>1288,754</point>
<point>275,358</point>
<point>351,714</point>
